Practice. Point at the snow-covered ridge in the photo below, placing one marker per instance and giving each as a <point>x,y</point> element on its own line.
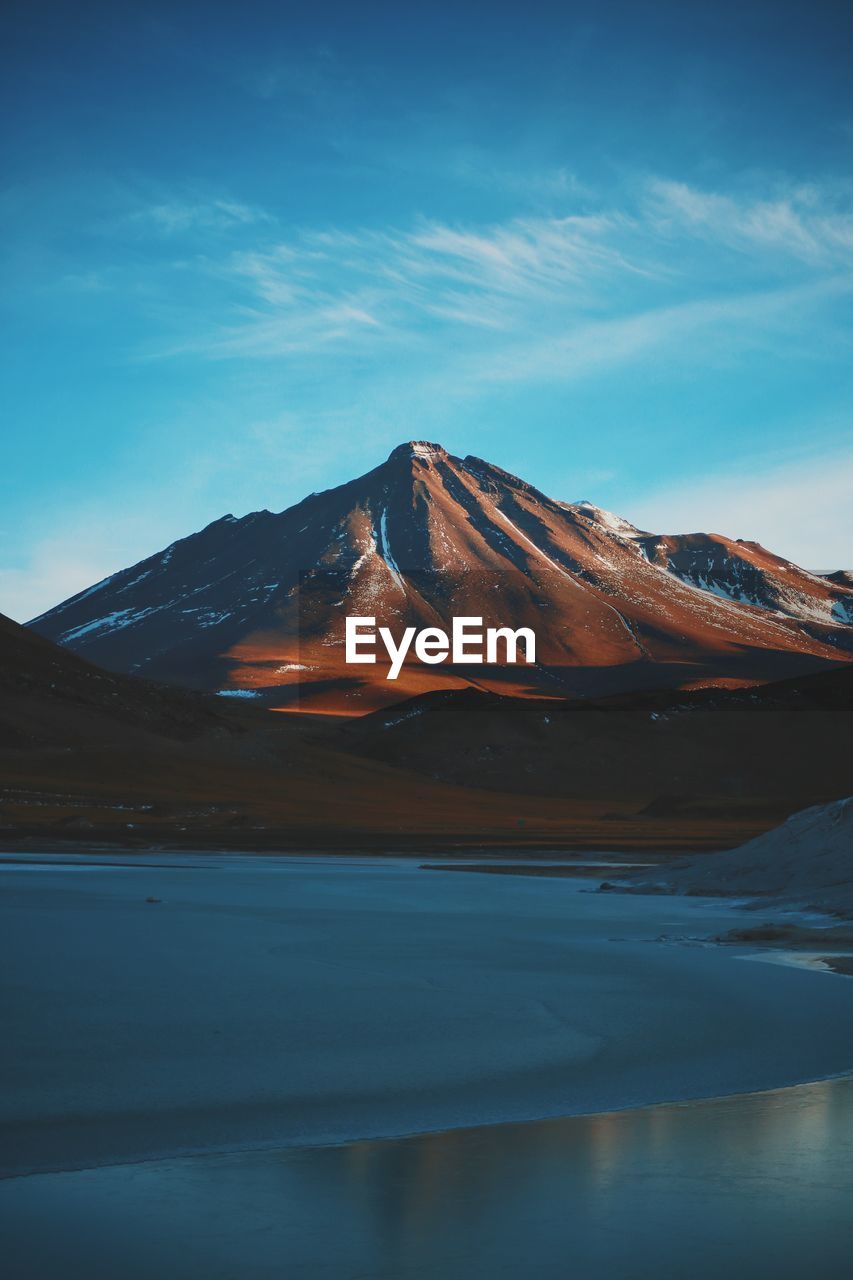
<point>607,519</point>
<point>418,449</point>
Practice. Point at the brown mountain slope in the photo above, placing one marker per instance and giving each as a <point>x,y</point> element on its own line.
<point>258,605</point>
<point>51,698</point>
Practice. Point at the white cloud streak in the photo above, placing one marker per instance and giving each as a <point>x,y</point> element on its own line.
<point>547,289</point>
<point>797,225</point>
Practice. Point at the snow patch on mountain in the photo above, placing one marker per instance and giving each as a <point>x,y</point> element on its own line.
<point>385,550</point>
<point>114,621</point>
<point>780,599</point>
<point>607,519</point>
<point>208,617</point>
<point>369,550</point>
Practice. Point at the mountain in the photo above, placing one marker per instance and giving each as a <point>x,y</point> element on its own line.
<point>748,574</point>
<point>256,606</point>
<point>52,699</point>
<point>839,577</point>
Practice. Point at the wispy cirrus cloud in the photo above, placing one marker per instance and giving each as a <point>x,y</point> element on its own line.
<point>727,326</point>
<point>179,216</point>
<point>546,184</point>
<point>535,296</point>
<point>189,213</point>
<point>523,258</point>
<point>418,285</point>
<point>668,274</point>
<point>804,222</point>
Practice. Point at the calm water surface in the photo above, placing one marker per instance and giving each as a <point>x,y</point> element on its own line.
<point>207,1087</point>
<point>757,1187</point>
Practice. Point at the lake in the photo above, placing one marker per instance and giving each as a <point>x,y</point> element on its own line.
<point>354,1067</point>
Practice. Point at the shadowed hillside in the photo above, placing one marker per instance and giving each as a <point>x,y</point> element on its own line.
<point>86,755</point>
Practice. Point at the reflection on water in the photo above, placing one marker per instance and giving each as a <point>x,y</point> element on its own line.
<point>754,1186</point>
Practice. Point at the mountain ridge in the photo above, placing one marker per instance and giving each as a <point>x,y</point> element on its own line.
<point>255,604</point>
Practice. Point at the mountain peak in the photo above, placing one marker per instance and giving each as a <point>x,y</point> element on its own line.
<point>258,605</point>
<point>418,449</point>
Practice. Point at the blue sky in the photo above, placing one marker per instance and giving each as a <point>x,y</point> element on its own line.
<point>247,249</point>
